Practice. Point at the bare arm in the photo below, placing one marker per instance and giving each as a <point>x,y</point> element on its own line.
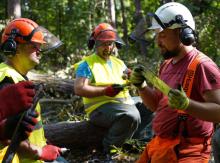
<point>84,89</point>
<point>209,110</point>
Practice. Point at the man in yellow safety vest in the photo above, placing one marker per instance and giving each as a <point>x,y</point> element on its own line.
<point>99,81</point>
<point>23,40</point>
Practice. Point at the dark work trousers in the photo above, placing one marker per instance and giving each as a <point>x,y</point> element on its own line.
<point>122,120</point>
<point>144,132</point>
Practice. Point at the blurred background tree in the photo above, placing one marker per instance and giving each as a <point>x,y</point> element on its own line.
<point>73,21</point>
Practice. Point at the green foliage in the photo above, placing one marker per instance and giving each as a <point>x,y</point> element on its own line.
<point>206,16</point>
<point>209,32</point>
<point>73,20</point>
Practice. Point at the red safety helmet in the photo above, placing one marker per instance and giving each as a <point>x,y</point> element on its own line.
<point>23,30</point>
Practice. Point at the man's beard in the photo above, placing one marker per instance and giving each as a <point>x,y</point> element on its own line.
<point>170,54</point>
<point>106,53</point>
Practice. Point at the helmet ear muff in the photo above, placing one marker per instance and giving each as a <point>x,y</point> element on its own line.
<point>187,34</point>
<point>91,41</point>
<point>9,46</point>
<point>118,45</point>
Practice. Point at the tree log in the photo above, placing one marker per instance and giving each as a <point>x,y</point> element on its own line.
<point>53,83</point>
<point>58,91</point>
<point>75,135</point>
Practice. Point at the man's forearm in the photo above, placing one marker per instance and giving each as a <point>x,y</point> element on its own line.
<point>90,91</point>
<point>204,110</point>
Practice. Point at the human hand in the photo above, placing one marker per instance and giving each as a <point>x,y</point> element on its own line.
<point>50,153</point>
<point>28,122</point>
<point>177,99</point>
<point>16,98</point>
<point>126,74</point>
<point>113,90</point>
<point>137,78</point>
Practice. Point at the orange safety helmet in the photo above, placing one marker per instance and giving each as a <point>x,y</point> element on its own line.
<point>104,32</point>
<point>26,29</point>
<point>23,30</point>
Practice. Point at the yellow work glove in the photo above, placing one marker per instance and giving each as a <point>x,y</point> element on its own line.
<point>177,99</point>
<point>137,78</point>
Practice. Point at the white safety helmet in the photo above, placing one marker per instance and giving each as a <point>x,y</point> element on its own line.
<point>172,15</point>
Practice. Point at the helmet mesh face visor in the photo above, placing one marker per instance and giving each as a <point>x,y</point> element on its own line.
<point>142,32</point>
<point>49,42</point>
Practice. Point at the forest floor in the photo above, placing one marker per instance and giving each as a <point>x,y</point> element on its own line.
<point>96,156</point>
<point>84,156</point>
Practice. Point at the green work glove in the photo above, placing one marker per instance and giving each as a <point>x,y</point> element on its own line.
<point>177,99</point>
<point>137,78</point>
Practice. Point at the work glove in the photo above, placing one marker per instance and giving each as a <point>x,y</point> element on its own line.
<point>50,153</point>
<point>27,125</point>
<point>113,90</point>
<point>137,78</point>
<point>15,98</point>
<point>126,74</point>
<point>177,99</point>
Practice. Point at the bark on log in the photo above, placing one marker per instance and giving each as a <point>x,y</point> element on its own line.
<point>63,86</point>
<point>75,135</point>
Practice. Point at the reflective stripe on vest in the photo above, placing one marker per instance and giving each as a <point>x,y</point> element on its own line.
<point>2,154</point>
<point>37,136</point>
<point>103,76</point>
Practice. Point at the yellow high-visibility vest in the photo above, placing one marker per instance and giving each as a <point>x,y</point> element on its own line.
<point>37,136</point>
<point>2,154</point>
<point>104,76</point>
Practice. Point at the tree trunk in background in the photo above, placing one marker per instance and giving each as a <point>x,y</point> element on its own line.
<point>14,9</point>
<point>111,8</point>
<point>5,6</point>
<point>59,20</point>
<point>137,17</point>
<point>124,22</point>
<point>90,17</point>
